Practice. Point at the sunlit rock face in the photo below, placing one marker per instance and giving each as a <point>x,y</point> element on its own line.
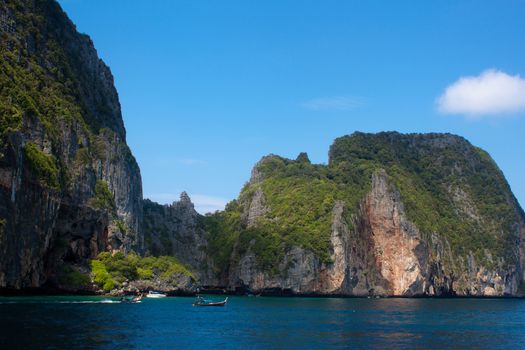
<point>392,215</point>
<point>389,215</point>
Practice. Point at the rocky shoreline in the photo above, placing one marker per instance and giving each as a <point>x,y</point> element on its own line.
<point>35,292</point>
<point>389,214</point>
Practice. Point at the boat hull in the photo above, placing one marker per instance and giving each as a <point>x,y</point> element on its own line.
<point>220,303</point>
<point>156,295</point>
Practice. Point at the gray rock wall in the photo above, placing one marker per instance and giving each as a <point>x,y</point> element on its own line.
<point>43,227</point>
<point>177,230</point>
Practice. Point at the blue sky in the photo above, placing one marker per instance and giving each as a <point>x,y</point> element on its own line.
<point>209,87</point>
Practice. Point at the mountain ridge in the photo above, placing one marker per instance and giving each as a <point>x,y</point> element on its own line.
<point>390,214</point>
<point>437,185</point>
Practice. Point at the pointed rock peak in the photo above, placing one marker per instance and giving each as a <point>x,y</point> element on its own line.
<point>184,203</point>
<point>266,165</point>
<point>185,198</point>
<point>257,175</point>
<point>303,158</point>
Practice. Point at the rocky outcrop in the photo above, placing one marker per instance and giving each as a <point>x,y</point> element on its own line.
<point>58,152</point>
<point>379,257</point>
<point>378,248</point>
<point>298,273</point>
<point>334,276</point>
<point>177,230</point>
<point>398,250</point>
<point>178,284</point>
<point>384,254</point>
<point>256,209</point>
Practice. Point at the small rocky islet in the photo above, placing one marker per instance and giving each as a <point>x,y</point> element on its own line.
<point>390,214</point>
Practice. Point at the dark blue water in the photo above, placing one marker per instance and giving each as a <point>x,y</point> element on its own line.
<point>262,323</point>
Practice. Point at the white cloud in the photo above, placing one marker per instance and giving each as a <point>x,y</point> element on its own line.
<point>203,203</point>
<point>339,103</point>
<point>493,93</point>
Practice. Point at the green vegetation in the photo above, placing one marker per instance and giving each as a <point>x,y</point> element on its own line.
<point>121,225</point>
<point>300,198</point>
<point>110,271</point>
<point>28,87</point>
<point>144,274</point>
<point>448,188</point>
<point>47,85</point>
<point>101,275</point>
<point>224,229</point>
<point>42,166</point>
<point>10,118</point>
<point>83,157</point>
<point>46,77</point>
<point>104,198</point>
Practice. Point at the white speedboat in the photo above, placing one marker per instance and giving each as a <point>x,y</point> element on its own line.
<point>153,294</point>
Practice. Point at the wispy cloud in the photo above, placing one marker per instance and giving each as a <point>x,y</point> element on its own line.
<point>337,103</point>
<point>208,204</point>
<point>203,203</point>
<point>492,93</point>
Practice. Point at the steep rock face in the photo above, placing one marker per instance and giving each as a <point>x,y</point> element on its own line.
<point>177,230</point>
<point>297,272</point>
<point>256,209</point>
<point>384,254</point>
<point>300,271</point>
<point>379,257</point>
<point>414,262</point>
<point>391,214</point>
<point>334,276</point>
<point>394,239</point>
<point>69,185</point>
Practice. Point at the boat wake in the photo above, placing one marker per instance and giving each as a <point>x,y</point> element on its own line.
<point>105,301</point>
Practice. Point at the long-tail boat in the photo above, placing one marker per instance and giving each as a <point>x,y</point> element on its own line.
<point>200,301</point>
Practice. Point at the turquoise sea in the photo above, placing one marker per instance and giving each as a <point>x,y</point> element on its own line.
<point>261,323</point>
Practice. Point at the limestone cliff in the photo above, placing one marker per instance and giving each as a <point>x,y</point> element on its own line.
<point>178,230</point>
<point>391,214</point>
<point>69,185</point>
